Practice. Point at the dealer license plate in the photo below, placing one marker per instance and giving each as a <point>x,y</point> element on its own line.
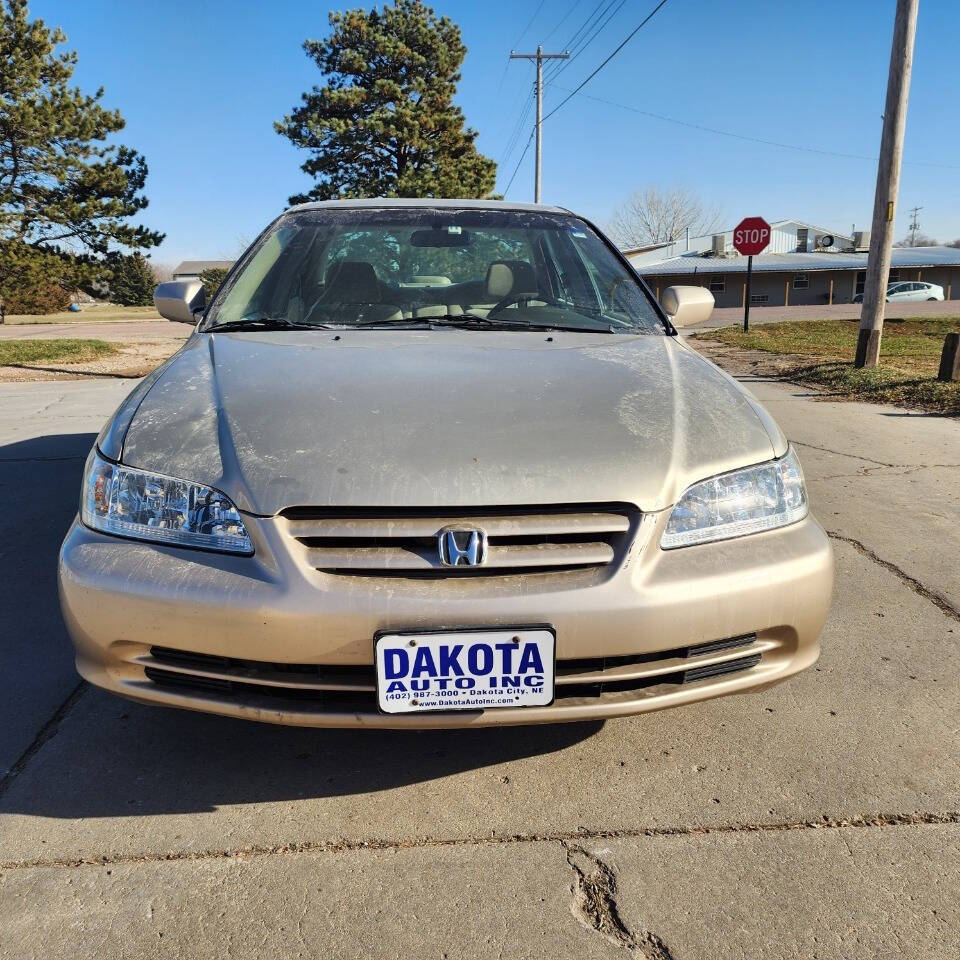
<point>465,669</point>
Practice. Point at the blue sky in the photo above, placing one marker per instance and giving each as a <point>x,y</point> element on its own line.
<point>200,84</point>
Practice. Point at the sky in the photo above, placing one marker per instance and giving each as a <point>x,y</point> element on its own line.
<point>200,83</point>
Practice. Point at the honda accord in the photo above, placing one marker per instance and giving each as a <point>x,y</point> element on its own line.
<point>439,463</point>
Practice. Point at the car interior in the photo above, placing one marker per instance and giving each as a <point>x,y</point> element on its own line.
<point>355,283</point>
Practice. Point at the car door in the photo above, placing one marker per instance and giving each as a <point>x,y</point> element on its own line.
<point>896,291</point>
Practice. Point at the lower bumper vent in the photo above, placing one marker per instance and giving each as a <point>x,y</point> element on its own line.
<point>719,669</point>
<point>353,688</point>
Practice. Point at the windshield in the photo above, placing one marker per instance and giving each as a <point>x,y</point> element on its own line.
<point>420,265</point>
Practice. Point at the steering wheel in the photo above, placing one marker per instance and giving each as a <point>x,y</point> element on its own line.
<point>512,298</point>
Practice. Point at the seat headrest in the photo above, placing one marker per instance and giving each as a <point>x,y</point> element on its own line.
<point>506,277</point>
<point>352,281</point>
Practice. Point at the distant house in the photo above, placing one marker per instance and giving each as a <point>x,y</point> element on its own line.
<point>191,269</point>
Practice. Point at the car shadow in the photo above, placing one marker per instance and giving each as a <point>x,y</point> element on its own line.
<point>40,485</point>
<point>108,757</point>
<point>117,758</point>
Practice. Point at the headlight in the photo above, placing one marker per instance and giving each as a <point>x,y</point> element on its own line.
<point>146,506</point>
<point>746,501</point>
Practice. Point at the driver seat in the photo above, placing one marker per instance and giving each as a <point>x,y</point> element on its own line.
<point>504,278</point>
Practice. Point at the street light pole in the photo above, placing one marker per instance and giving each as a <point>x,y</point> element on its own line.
<point>888,183</point>
<point>539,57</point>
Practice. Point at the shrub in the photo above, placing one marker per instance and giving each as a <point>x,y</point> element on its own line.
<point>211,280</point>
<point>38,297</point>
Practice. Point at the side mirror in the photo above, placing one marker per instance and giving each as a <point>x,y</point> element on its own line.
<point>687,306</point>
<point>180,300</point>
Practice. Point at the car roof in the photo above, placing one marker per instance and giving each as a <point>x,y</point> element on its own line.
<point>428,203</point>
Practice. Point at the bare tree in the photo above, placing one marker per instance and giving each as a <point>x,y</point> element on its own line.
<point>657,216</point>
<point>953,243</point>
<point>917,240</point>
<point>161,271</point>
<point>240,243</point>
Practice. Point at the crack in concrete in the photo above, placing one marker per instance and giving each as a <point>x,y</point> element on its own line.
<point>864,821</point>
<point>842,453</point>
<point>941,603</point>
<point>908,468</point>
<point>47,731</point>
<point>595,905</point>
<point>42,459</point>
<point>902,470</point>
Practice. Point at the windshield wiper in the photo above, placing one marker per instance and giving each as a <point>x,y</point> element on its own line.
<point>265,323</point>
<point>477,322</point>
<point>412,323</point>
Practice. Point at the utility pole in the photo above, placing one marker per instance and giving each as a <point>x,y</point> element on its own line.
<point>539,56</point>
<point>914,225</point>
<point>888,183</point>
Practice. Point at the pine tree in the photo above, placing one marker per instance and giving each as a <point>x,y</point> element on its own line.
<point>385,124</point>
<point>66,195</point>
<point>133,281</point>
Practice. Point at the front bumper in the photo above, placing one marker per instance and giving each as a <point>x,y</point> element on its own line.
<point>626,643</point>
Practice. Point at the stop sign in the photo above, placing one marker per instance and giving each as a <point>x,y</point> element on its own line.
<point>751,235</point>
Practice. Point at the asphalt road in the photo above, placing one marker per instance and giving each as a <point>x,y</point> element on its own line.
<point>817,819</point>
<point>125,331</point>
<point>726,316</point>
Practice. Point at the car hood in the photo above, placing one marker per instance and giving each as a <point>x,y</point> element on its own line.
<point>442,418</point>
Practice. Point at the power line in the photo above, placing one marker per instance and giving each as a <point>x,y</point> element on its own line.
<point>623,43</point>
<point>587,24</point>
<point>514,137</point>
<point>606,15</point>
<point>536,13</point>
<point>573,43</point>
<point>516,131</point>
<point>562,20</point>
<point>749,139</point>
<point>516,169</point>
<point>523,33</point>
<point>597,12</point>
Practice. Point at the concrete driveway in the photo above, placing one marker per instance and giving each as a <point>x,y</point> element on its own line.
<point>817,819</point>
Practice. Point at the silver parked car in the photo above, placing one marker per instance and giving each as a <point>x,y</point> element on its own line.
<point>428,463</point>
<point>905,291</point>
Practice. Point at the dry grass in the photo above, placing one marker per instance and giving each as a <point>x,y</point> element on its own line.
<point>15,353</point>
<point>822,352</point>
<point>91,314</point>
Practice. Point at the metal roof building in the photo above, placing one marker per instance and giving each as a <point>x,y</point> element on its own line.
<point>803,265</point>
<point>191,269</point>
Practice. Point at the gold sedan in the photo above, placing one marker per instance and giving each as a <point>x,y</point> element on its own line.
<point>439,463</point>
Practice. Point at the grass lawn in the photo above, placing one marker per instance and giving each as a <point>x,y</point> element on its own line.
<point>15,353</point>
<point>822,352</point>
<point>91,314</point>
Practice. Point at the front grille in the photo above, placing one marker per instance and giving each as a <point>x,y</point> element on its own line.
<point>353,688</point>
<point>520,540</point>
